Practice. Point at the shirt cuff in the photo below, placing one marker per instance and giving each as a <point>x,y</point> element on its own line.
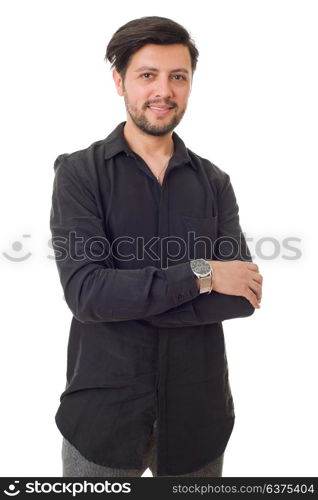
<point>182,283</point>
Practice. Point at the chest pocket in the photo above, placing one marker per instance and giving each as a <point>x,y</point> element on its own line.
<point>201,234</point>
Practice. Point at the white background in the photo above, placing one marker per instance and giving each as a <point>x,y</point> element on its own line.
<point>253,112</point>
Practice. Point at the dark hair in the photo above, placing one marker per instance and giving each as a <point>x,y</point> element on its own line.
<point>151,29</point>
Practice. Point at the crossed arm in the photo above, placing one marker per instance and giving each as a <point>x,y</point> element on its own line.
<point>97,292</point>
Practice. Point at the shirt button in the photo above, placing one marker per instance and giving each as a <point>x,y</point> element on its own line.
<point>180,296</point>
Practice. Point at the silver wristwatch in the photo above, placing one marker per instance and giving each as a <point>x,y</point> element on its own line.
<point>204,272</point>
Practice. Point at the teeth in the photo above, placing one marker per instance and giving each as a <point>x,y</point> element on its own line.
<point>161,109</point>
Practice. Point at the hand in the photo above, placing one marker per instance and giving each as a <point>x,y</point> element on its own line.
<point>238,277</point>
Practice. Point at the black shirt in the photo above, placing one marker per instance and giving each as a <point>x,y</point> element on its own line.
<point>143,343</point>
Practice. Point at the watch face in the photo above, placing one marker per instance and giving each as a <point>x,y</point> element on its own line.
<point>200,267</point>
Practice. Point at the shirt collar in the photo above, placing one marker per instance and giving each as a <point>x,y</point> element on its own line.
<point>115,143</point>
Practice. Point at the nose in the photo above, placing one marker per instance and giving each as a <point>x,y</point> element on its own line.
<point>163,87</point>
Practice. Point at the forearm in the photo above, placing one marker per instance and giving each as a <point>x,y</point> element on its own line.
<point>205,309</point>
<point>97,294</point>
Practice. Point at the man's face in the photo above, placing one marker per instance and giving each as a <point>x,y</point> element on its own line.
<point>157,86</point>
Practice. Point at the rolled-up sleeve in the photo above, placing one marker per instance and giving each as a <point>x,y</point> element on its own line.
<point>93,289</point>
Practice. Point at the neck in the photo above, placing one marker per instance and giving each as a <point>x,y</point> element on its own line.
<point>145,144</point>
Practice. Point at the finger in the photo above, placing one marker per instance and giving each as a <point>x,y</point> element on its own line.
<point>252,266</point>
<point>257,289</point>
<point>249,295</point>
<point>257,277</point>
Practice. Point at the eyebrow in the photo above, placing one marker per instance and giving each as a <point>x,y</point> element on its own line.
<point>150,68</point>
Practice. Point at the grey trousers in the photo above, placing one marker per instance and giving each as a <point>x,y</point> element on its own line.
<point>74,464</point>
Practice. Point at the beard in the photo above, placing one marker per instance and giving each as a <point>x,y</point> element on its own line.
<point>141,121</point>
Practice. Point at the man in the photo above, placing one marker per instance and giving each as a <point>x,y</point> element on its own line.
<point>152,259</point>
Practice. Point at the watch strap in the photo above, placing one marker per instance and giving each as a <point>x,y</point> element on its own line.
<point>206,284</point>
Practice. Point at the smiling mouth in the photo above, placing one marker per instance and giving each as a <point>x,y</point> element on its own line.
<point>159,110</point>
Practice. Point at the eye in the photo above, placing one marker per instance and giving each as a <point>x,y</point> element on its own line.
<point>146,75</point>
<point>180,77</point>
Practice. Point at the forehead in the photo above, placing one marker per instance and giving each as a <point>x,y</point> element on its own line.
<point>161,57</point>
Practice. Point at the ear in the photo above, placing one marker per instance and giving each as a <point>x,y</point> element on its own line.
<point>118,82</point>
